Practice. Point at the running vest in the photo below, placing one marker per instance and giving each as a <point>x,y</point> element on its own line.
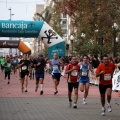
<point>84,70</point>
<point>55,66</point>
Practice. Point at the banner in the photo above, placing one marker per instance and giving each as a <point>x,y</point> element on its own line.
<point>34,29</point>
<point>15,44</point>
<point>9,43</point>
<point>9,28</point>
<point>116,81</point>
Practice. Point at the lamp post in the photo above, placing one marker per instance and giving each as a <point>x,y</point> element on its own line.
<point>115,27</point>
<point>10,13</point>
<point>100,41</point>
<point>10,51</point>
<point>38,46</point>
<point>83,35</point>
<point>72,38</point>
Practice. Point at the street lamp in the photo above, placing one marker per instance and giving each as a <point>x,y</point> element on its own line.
<point>115,27</point>
<point>72,38</point>
<point>10,51</point>
<point>10,13</point>
<point>83,35</point>
<point>117,40</point>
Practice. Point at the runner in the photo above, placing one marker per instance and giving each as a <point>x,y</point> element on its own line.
<point>2,62</point>
<point>24,64</point>
<point>14,64</point>
<point>105,71</point>
<point>56,73</point>
<point>72,70</point>
<point>7,67</point>
<point>84,77</point>
<point>39,64</point>
<point>32,68</point>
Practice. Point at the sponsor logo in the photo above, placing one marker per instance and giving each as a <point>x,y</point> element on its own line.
<point>50,34</point>
<point>7,43</point>
<point>14,26</point>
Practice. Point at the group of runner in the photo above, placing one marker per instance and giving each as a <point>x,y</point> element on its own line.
<point>78,71</point>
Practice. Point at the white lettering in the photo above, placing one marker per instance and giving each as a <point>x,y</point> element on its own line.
<point>21,26</point>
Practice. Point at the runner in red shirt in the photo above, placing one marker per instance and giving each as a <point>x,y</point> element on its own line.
<point>72,70</point>
<point>105,71</point>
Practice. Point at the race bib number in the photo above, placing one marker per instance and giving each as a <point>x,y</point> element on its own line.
<point>8,65</point>
<point>84,72</point>
<point>107,77</point>
<point>24,67</point>
<point>74,73</point>
<point>55,67</point>
<point>15,61</point>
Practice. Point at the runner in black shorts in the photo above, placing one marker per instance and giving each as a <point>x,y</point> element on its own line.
<point>103,88</point>
<point>56,73</point>
<point>105,72</point>
<point>73,85</point>
<point>24,64</point>
<point>72,70</point>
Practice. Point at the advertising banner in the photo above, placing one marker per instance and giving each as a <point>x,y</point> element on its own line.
<point>34,29</point>
<point>9,43</point>
<point>116,81</point>
<point>9,28</point>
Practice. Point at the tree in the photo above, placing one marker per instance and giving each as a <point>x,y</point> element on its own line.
<point>94,18</point>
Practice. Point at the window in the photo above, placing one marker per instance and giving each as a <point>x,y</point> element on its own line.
<point>64,16</point>
<point>64,22</point>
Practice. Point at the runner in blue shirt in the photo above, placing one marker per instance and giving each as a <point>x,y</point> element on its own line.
<point>84,77</point>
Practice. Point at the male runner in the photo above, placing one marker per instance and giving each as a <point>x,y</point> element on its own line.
<point>14,64</point>
<point>7,67</point>
<point>105,72</point>
<point>39,64</point>
<point>72,70</point>
<point>84,79</point>
<point>56,73</point>
<point>24,64</point>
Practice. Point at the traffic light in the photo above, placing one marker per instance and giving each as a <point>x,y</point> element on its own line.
<point>67,46</point>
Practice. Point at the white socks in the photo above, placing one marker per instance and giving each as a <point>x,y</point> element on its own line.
<point>41,87</point>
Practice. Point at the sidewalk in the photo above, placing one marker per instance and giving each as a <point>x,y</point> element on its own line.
<point>15,105</point>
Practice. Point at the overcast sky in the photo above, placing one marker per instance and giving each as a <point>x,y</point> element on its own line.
<point>22,9</point>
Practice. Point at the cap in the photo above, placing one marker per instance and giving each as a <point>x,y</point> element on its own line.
<point>41,55</point>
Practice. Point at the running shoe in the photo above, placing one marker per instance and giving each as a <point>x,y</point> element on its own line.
<point>103,112</point>
<point>41,92</point>
<point>55,92</point>
<point>84,102</point>
<point>109,108</point>
<point>75,106</point>
<point>26,91</point>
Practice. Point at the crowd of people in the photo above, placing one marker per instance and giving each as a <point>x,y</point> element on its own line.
<point>80,72</point>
